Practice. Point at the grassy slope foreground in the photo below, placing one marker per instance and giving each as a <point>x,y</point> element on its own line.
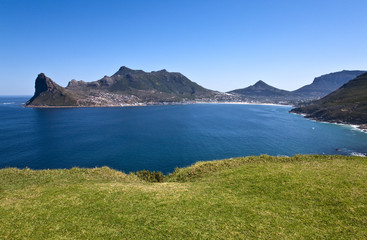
<point>320,197</point>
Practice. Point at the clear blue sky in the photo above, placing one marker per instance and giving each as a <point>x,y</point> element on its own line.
<point>220,44</point>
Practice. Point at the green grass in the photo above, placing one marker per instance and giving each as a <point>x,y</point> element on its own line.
<point>303,197</point>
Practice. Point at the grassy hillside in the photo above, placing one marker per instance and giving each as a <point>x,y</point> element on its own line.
<point>303,197</point>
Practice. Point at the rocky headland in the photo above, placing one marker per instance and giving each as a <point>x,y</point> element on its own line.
<point>346,105</point>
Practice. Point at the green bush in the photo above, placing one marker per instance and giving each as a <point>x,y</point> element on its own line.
<point>150,176</point>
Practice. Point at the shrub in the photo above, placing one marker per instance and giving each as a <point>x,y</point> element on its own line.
<point>150,176</point>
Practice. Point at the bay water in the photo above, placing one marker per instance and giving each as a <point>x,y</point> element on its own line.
<point>161,137</point>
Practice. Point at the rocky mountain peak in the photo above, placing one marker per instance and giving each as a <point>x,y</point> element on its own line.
<point>76,83</point>
<point>124,68</point>
<point>43,84</point>
<point>260,83</point>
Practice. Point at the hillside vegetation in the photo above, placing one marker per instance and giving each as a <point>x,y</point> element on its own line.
<point>302,197</point>
<point>348,104</point>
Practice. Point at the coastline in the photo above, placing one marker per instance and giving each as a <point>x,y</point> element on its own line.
<point>359,127</point>
<point>158,104</point>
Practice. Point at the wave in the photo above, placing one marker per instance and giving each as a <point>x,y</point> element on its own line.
<point>7,103</point>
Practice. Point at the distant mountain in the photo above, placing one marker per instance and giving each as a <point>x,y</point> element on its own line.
<point>262,92</point>
<point>325,84</point>
<point>348,104</point>
<point>125,87</point>
<point>260,88</point>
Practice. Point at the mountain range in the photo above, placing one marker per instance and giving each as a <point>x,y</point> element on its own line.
<point>156,85</point>
<point>125,87</point>
<point>320,87</point>
<point>136,87</point>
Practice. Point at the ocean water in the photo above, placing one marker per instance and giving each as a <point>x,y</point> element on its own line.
<point>161,137</point>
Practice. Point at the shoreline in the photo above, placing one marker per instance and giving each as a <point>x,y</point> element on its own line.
<point>359,127</point>
<point>247,103</point>
<point>354,126</point>
<point>159,104</point>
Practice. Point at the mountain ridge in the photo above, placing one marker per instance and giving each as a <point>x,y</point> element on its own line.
<point>327,83</point>
<point>348,104</point>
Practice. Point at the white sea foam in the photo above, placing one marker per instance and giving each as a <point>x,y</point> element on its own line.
<point>351,126</point>
<point>358,154</point>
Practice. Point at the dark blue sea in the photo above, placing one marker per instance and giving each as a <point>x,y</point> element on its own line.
<point>161,137</point>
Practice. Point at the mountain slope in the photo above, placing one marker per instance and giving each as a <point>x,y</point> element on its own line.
<point>325,84</point>
<point>348,104</point>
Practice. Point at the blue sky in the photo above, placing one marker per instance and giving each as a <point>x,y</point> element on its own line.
<point>221,45</point>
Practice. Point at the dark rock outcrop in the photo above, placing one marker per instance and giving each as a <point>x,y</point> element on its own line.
<point>48,93</point>
<point>42,84</point>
